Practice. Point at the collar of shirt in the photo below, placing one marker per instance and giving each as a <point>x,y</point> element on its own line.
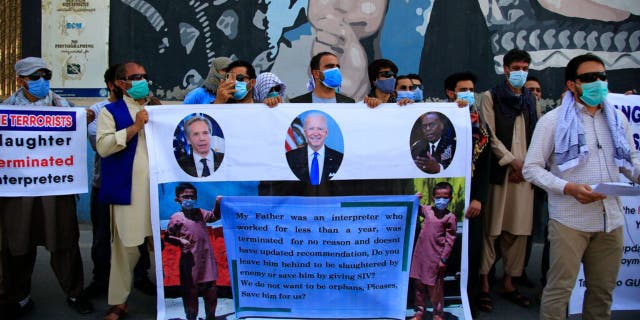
<point>434,144</point>
<point>316,99</point>
<point>200,166</point>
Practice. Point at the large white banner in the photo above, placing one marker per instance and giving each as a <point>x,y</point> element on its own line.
<point>255,153</point>
<point>625,296</point>
<point>75,39</point>
<point>43,151</point>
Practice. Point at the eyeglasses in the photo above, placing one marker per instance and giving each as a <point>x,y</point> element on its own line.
<point>409,88</point>
<point>242,77</point>
<point>386,74</point>
<point>592,76</point>
<point>136,77</point>
<point>275,89</point>
<point>39,74</point>
<point>535,89</point>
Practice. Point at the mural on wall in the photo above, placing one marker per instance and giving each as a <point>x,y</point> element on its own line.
<point>177,40</point>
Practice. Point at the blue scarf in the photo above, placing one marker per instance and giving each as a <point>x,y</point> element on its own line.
<point>570,144</point>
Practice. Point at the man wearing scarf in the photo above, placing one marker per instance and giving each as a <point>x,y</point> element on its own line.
<point>584,142</point>
<point>510,112</point>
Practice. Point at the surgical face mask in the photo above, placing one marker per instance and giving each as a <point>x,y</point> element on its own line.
<point>38,88</point>
<point>241,90</point>
<point>386,85</point>
<point>594,93</point>
<point>441,203</point>
<point>406,94</point>
<point>139,89</point>
<point>417,95</point>
<point>332,78</point>
<point>467,96</point>
<point>188,204</point>
<point>517,78</point>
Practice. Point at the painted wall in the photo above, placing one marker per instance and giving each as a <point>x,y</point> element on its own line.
<point>176,40</point>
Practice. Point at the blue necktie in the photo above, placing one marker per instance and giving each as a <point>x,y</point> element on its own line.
<point>315,170</point>
<point>205,171</point>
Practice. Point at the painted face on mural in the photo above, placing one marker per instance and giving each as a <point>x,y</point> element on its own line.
<point>364,16</point>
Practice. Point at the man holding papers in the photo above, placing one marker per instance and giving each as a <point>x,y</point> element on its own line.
<point>591,143</point>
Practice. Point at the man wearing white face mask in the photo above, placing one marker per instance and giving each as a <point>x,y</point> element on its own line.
<point>583,142</point>
<point>325,70</point>
<point>510,112</point>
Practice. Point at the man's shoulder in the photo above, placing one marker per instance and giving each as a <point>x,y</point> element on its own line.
<point>297,151</point>
<point>186,160</point>
<point>332,152</point>
<point>341,98</point>
<point>198,95</point>
<point>303,98</point>
<point>550,118</point>
<point>98,106</point>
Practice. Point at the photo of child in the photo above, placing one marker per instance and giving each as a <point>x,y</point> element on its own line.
<point>432,250</point>
<point>198,270</point>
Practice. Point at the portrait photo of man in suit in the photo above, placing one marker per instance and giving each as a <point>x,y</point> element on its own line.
<point>314,162</point>
<point>203,159</point>
<point>435,147</point>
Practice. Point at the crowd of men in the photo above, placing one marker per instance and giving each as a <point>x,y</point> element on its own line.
<point>515,148</point>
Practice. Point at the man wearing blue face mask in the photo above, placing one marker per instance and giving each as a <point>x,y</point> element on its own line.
<point>48,220</point>
<point>121,142</point>
<point>584,142</point>
<point>238,86</point>
<point>510,112</point>
<point>459,88</point>
<point>325,70</point>
<point>382,77</point>
<point>416,81</point>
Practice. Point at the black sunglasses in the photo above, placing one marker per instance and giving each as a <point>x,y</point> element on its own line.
<point>592,76</point>
<point>386,74</point>
<point>241,77</point>
<point>39,74</point>
<point>136,77</point>
<point>275,88</point>
<point>410,88</point>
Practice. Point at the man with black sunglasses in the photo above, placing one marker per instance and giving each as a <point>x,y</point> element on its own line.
<point>584,142</point>
<point>120,141</point>
<point>48,220</point>
<point>238,85</point>
<point>382,77</point>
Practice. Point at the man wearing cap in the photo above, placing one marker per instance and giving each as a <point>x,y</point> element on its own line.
<point>206,93</point>
<point>48,220</point>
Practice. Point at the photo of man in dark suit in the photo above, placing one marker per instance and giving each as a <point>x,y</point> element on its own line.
<point>314,162</point>
<point>203,159</point>
<point>436,146</point>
